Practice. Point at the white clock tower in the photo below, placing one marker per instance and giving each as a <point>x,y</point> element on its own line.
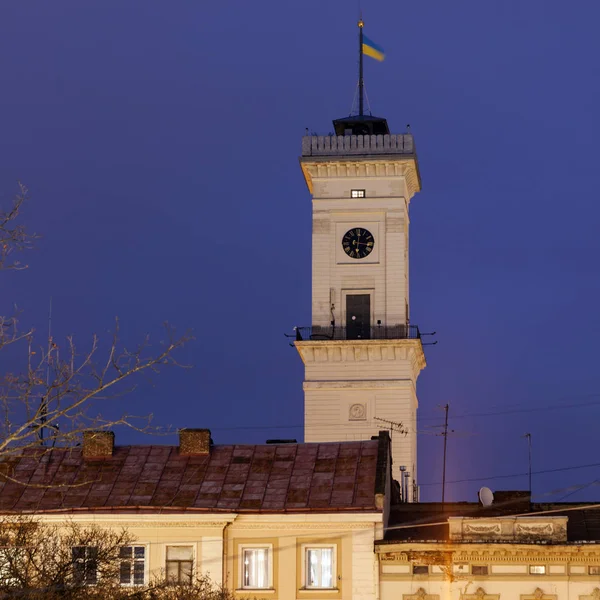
<point>362,356</point>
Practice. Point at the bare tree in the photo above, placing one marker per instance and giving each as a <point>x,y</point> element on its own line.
<point>71,562</point>
<point>49,402</point>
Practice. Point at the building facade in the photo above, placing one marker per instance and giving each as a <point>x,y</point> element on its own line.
<point>511,550</point>
<point>269,521</point>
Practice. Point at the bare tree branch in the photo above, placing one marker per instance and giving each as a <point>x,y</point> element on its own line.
<point>49,402</point>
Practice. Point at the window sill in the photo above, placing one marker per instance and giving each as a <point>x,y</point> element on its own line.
<point>255,590</point>
<point>320,590</point>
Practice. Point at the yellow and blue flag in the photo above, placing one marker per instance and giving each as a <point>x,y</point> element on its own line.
<point>372,49</point>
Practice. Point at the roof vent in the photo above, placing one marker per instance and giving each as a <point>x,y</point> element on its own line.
<point>277,441</point>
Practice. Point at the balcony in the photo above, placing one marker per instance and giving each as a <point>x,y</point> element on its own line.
<point>376,332</point>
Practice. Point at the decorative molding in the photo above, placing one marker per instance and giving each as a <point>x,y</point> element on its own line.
<point>162,524</point>
<point>357,412</point>
<point>360,384</point>
<point>486,529</point>
<point>480,594</point>
<point>420,594</point>
<point>514,529</point>
<point>538,594</point>
<point>346,167</point>
<point>333,526</point>
<point>595,595</point>
<point>324,351</point>
<point>586,555</point>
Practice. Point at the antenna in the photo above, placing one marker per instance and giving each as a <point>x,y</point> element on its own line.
<point>445,434</point>
<point>486,496</point>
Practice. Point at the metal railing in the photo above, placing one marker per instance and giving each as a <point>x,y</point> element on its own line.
<point>375,332</point>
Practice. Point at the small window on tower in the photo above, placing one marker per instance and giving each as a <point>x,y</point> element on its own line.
<point>358,193</point>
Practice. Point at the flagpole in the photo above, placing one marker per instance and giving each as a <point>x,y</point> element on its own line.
<point>360,67</point>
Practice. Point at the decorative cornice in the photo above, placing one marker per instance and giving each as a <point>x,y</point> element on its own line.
<point>589,555</point>
<point>341,167</point>
<point>359,384</point>
<point>333,526</point>
<point>332,351</point>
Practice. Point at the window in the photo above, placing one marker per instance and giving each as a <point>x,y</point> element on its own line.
<point>255,568</point>
<point>85,564</point>
<point>180,564</point>
<point>537,569</point>
<point>358,193</point>
<point>594,570</point>
<point>320,567</point>
<point>132,565</point>
<point>420,570</point>
<point>479,570</point>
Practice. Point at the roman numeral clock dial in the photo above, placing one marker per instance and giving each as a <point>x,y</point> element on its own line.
<point>358,243</point>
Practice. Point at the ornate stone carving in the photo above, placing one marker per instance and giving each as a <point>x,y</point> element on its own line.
<point>545,529</point>
<point>481,529</point>
<point>357,412</point>
<point>538,594</point>
<point>420,594</point>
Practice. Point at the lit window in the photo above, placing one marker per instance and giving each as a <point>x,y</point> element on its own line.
<point>537,569</point>
<point>85,564</point>
<point>255,568</point>
<point>358,193</point>
<point>180,564</point>
<point>479,570</point>
<point>132,565</point>
<point>420,570</point>
<point>594,570</point>
<point>320,567</point>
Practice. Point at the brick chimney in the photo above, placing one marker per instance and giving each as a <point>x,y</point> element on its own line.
<point>194,442</point>
<point>98,444</point>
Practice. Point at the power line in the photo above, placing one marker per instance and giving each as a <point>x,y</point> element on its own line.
<point>541,472</point>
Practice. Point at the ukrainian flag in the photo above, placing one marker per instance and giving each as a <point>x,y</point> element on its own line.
<point>371,49</point>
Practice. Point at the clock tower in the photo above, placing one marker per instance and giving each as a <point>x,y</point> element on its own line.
<point>362,355</point>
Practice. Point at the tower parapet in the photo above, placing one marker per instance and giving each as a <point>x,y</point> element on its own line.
<point>356,145</point>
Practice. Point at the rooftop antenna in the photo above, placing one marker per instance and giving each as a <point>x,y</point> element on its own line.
<point>486,496</point>
<point>445,434</point>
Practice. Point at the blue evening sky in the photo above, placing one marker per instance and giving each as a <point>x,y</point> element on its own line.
<point>160,143</point>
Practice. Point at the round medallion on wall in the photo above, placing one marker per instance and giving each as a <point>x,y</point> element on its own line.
<point>358,242</point>
<point>358,412</point>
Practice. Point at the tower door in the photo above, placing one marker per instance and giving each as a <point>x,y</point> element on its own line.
<point>358,316</point>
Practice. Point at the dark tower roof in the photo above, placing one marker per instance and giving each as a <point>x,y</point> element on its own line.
<point>361,125</point>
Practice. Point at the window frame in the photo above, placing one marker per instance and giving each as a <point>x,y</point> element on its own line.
<point>132,560</point>
<point>194,560</point>
<point>532,572</point>
<point>486,567</point>
<point>334,568</point>
<point>358,193</point>
<point>242,548</point>
<point>419,566</point>
<point>84,561</point>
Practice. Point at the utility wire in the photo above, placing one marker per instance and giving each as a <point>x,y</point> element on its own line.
<point>541,472</point>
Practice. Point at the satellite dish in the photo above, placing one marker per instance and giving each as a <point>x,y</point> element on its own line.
<point>486,496</point>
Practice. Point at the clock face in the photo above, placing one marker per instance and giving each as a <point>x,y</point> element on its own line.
<point>358,243</point>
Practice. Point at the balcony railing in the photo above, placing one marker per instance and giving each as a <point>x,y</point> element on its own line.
<point>376,332</point>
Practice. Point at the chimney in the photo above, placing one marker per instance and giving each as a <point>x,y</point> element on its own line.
<point>98,444</point>
<point>194,442</point>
